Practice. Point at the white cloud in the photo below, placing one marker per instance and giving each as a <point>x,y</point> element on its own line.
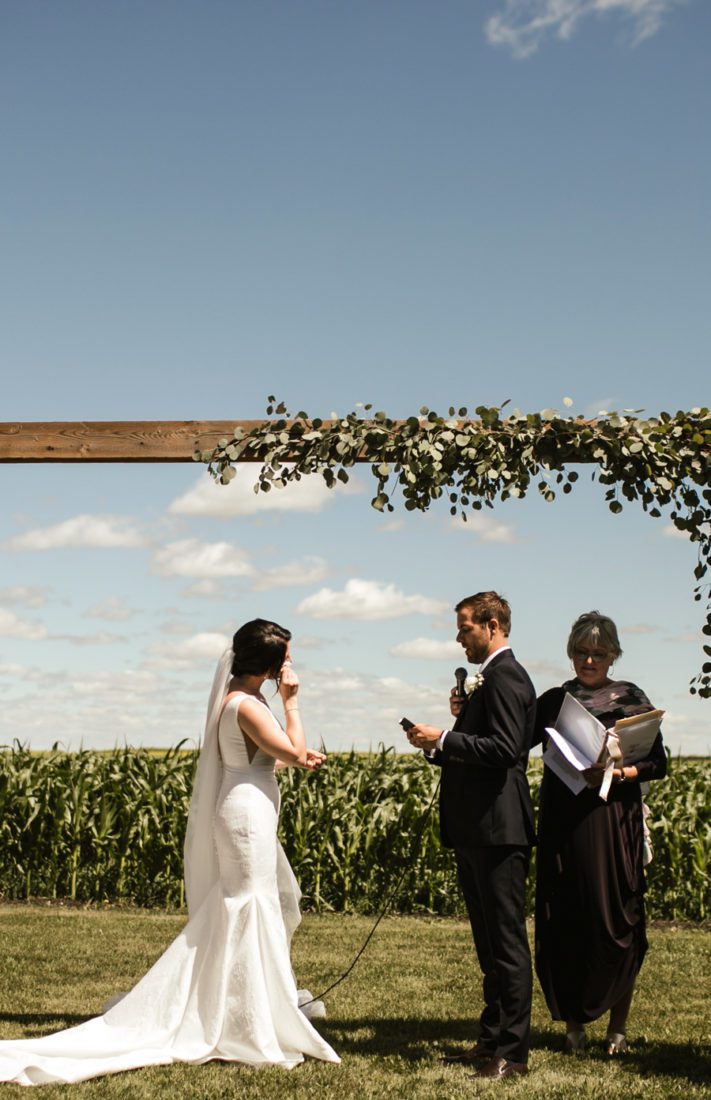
<point>207,498</point>
<point>116,686</point>
<point>335,681</point>
<point>524,24</point>
<point>25,595</point>
<point>112,609</point>
<point>348,708</point>
<point>387,685</point>
<point>102,637</point>
<point>428,649</point>
<point>176,626</point>
<point>192,558</point>
<point>309,570</point>
<point>200,649</point>
<point>204,590</point>
<point>162,701</point>
<point>673,532</point>
<point>546,673</point>
<point>367,600</point>
<point>12,626</point>
<point>310,641</point>
<point>639,628</point>
<point>95,532</point>
<point>484,527</point>
<point>102,710</point>
<point>15,671</point>
<point>689,735</point>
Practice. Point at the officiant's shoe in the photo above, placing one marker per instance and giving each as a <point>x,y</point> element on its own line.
<point>470,1057</point>
<point>575,1041</point>
<point>499,1068</point>
<point>615,1044</point>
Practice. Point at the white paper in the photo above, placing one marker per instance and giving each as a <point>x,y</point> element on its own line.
<point>581,729</point>
<point>572,754</point>
<point>560,766</point>
<point>575,743</point>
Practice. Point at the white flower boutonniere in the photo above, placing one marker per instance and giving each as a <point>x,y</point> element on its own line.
<point>473,683</point>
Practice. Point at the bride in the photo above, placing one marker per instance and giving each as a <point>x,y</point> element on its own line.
<point>224,988</point>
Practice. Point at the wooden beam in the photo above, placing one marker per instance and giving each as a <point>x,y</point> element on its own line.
<point>130,440</point>
<point>114,441</point>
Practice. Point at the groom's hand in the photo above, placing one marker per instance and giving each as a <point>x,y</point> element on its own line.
<point>424,737</point>
<point>456,702</point>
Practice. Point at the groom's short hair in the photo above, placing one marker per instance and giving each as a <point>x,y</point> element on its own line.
<point>488,605</point>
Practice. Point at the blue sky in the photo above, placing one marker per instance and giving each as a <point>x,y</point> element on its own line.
<point>403,204</point>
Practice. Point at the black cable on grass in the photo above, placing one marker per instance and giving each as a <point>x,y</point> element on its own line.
<point>388,901</point>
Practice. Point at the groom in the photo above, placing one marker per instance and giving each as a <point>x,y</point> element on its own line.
<point>486,816</point>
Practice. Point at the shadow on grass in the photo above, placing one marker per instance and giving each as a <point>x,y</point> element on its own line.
<point>424,1040</point>
<point>684,1060</point>
<point>410,1039</point>
<point>49,1021</point>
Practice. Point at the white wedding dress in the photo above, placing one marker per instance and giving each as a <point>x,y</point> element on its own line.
<point>224,988</point>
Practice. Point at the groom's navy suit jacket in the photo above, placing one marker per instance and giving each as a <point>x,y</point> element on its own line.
<point>484,797</point>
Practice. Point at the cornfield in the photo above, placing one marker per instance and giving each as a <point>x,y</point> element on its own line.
<point>93,826</point>
<point>96,827</point>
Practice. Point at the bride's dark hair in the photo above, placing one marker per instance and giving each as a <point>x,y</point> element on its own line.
<point>259,646</point>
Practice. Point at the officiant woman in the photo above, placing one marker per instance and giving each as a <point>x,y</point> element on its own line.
<point>590,926</point>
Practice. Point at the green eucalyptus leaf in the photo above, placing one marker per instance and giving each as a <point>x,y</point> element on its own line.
<point>660,461</point>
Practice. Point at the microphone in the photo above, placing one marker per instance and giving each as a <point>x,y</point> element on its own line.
<point>460,675</point>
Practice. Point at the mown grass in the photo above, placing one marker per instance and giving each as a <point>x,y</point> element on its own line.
<point>413,996</point>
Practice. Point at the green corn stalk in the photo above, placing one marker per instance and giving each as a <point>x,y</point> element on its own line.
<point>100,826</point>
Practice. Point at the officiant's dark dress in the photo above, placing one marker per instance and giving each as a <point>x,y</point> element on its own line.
<point>590,926</point>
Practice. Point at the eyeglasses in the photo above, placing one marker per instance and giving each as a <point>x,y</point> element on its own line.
<point>597,656</point>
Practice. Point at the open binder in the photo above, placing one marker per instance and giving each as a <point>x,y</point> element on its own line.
<point>578,740</point>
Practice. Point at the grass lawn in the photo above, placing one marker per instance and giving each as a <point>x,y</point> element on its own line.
<point>413,996</point>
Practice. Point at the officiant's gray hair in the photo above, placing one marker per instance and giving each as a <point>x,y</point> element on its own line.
<point>596,629</point>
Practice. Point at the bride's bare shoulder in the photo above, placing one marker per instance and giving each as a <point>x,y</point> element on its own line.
<point>250,707</point>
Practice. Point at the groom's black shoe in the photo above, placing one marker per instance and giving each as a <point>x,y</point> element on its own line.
<point>470,1057</point>
<point>499,1068</point>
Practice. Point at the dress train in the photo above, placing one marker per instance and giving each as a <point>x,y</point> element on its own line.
<point>224,989</point>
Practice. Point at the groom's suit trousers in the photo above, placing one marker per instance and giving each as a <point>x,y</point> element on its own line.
<point>487,817</point>
<point>493,882</point>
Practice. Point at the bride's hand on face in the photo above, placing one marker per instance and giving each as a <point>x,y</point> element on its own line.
<point>288,682</point>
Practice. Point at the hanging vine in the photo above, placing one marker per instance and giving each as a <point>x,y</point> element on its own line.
<point>661,462</point>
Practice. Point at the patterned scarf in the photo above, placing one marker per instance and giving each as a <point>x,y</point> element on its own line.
<point>615,699</point>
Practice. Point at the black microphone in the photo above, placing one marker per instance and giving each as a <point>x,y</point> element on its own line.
<point>460,675</point>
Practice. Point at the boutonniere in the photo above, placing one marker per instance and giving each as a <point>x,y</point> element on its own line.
<point>473,683</point>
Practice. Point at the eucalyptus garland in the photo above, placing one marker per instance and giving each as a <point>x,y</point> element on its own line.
<point>662,462</point>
